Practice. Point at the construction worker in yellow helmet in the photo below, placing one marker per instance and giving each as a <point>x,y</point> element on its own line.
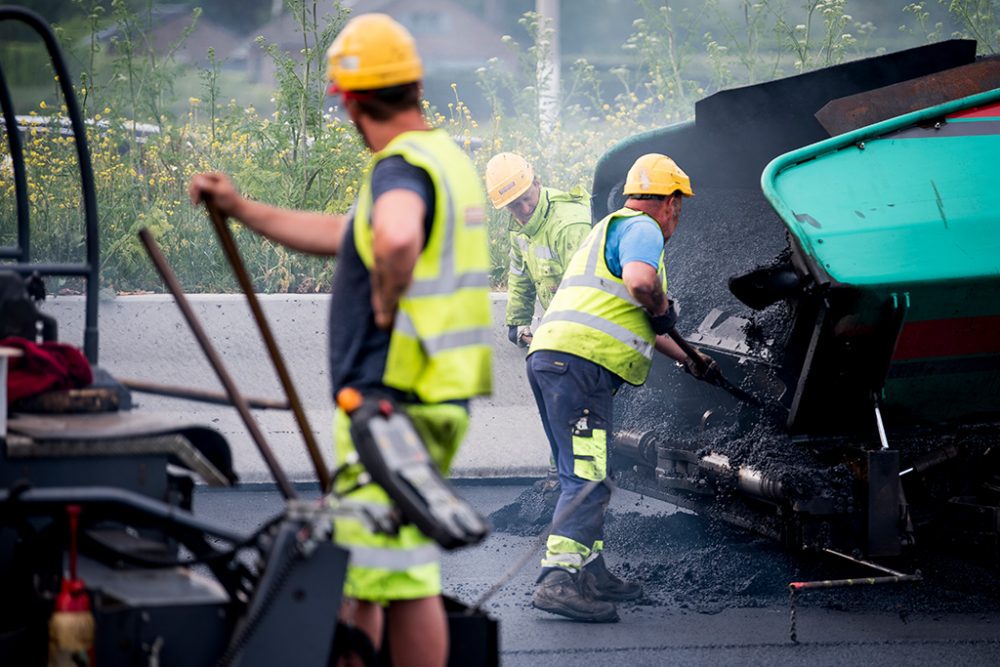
<point>409,315</point>
<point>546,227</point>
<point>600,331</point>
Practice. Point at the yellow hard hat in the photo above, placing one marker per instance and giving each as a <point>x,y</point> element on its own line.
<point>656,174</point>
<point>372,51</point>
<point>508,176</point>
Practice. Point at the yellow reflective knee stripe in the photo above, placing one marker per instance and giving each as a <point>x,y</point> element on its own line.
<point>590,455</point>
<point>616,331</point>
<point>561,551</point>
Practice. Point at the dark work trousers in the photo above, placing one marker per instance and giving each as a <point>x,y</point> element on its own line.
<point>574,398</point>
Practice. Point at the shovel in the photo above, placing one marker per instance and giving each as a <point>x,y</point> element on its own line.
<point>713,376</point>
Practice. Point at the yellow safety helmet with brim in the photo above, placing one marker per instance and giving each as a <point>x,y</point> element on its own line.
<point>372,51</point>
<point>508,176</point>
<point>656,174</point>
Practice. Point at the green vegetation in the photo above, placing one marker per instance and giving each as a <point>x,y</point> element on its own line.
<point>303,154</point>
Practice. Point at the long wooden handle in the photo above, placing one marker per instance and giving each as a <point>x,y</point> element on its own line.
<point>686,347</point>
<point>200,395</point>
<point>718,379</point>
<point>233,255</point>
<point>235,397</point>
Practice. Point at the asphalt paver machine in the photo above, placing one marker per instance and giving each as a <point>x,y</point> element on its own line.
<point>840,259</point>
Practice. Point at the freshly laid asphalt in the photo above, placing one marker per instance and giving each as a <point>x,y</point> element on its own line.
<point>690,616</point>
<point>653,633</point>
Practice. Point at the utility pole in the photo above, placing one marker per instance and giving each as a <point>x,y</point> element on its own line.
<point>548,65</point>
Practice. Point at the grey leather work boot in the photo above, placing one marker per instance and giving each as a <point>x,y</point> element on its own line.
<point>560,592</point>
<point>551,481</point>
<point>606,586</point>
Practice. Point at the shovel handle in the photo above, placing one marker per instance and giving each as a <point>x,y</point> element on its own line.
<point>688,349</point>
<point>717,378</point>
<point>232,253</point>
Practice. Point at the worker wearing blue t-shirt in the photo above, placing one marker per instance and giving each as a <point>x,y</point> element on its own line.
<point>600,330</point>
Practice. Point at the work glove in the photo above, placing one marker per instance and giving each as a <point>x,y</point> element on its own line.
<point>665,322</point>
<point>710,372</point>
<point>519,335</point>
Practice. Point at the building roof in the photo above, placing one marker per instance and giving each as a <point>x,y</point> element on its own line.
<point>165,26</point>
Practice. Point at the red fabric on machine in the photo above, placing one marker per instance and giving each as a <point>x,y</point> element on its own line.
<point>44,367</point>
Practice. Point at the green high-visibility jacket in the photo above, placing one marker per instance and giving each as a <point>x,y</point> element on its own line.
<point>441,343</point>
<point>541,249</point>
<point>594,316</point>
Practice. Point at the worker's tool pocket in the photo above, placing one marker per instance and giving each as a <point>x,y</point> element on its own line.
<point>590,448</point>
<point>544,364</point>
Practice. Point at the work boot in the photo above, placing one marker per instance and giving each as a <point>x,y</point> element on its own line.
<point>560,592</point>
<point>551,481</point>
<point>606,586</point>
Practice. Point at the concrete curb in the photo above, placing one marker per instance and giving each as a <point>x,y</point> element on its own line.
<point>145,338</point>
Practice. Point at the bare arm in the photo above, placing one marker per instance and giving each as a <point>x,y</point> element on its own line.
<point>644,285</point>
<point>398,237</point>
<point>665,345</point>
<point>305,231</point>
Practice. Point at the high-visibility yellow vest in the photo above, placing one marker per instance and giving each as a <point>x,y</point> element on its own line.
<point>593,315</point>
<point>441,343</point>
<point>540,250</point>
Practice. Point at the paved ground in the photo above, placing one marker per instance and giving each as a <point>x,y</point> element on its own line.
<point>877,627</point>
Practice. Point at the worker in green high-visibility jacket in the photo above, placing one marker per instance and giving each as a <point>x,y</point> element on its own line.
<point>547,226</point>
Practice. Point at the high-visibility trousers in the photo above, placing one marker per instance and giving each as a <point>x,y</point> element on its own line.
<point>575,401</point>
<point>406,566</point>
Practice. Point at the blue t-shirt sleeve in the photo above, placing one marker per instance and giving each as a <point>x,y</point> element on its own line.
<point>636,239</point>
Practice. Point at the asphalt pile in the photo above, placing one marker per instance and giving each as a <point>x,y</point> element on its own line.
<point>698,564</point>
<point>693,564</point>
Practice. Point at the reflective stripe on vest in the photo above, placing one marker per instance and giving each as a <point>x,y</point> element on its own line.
<point>447,280</point>
<point>616,331</point>
<point>441,343</point>
<point>446,341</point>
<point>594,316</point>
